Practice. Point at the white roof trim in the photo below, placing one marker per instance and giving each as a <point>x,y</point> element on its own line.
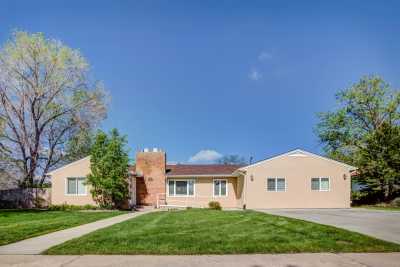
<point>68,165</point>
<point>199,175</point>
<point>298,151</point>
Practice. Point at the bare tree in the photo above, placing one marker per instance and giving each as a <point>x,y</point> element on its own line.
<point>46,98</point>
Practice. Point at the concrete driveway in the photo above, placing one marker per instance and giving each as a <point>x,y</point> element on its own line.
<point>380,224</point>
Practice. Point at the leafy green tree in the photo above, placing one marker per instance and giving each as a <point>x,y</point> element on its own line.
<point>379,163</point>
<point>363,108</point>
<point>357,129</point>
<point>232,160</point>
<point>80,145</point>
<point>109,169</point>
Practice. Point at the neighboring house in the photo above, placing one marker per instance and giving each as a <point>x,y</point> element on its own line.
<point>67,184</point>
<point>7,181</point>
<point>297,179</point>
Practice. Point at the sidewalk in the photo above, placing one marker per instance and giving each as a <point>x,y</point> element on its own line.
<point>251,260</point>
<point>38,244</point>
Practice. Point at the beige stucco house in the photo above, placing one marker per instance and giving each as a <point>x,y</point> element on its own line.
<point>297,179</point>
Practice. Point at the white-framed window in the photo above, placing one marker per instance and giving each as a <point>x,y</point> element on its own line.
<point>220,187</point>
<point>75,186</point>
<point>181,187</point>
<point>276,184</point>
<point>320,184</point>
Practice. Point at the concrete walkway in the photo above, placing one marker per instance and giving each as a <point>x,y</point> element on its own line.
<point>377,223</point>
<point>37,245</point>
<point>251,260</point>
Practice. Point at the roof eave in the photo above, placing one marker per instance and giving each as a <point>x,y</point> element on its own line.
<point>67,165</point>
<point>351,168</point>
<point>199,175</point>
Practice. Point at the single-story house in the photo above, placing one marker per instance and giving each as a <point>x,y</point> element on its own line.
<point>296,179</point>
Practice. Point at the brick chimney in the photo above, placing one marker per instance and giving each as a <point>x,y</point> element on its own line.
<point>150,169</point>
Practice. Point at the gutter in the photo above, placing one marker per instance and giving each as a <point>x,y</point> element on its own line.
<point>243,173</point>
<point>199,175</point>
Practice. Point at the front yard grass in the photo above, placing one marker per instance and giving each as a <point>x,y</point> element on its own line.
<point>16,225</point>
<point>202,231</point>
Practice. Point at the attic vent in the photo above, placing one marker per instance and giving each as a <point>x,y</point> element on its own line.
<point>297,155</point>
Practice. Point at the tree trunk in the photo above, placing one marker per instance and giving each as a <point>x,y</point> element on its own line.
<point>386,192</point>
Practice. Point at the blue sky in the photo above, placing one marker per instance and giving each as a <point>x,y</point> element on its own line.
<point>231,77</point>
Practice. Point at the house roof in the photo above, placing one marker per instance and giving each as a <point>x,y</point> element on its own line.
<point>67,165</point>
<point>299,152</point>
<point>217,169</point>
<point>195,169</point>
<point>203,169</point>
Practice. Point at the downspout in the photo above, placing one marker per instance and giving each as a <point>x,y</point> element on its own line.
<point>244,190</point>
<point>132,189</point>
<point>243,173</point>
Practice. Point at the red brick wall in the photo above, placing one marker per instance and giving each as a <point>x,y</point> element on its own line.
<point>151,166</point>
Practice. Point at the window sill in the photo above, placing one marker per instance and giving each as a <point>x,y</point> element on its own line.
<point>182,196</point>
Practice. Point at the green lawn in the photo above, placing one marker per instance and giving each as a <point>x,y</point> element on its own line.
<point>21,224</point>
<point>202,231</point>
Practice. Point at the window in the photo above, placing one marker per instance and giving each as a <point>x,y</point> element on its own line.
<point>220,188</point>
<point>320,184</point>
<point>276,184</point>
<point>76,186</point>
<point>183,187</point>
<point>314,183</point>
<point>280,184</point>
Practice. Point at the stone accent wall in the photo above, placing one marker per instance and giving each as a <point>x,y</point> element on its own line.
<point>150,168</point>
